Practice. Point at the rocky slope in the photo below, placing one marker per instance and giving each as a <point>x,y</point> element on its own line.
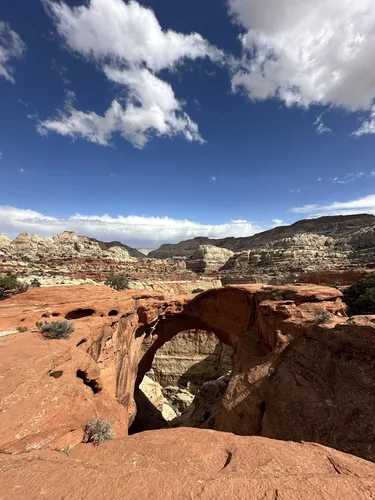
<point>188,464</point>
<point>337,249</point>
<point>69,259</point>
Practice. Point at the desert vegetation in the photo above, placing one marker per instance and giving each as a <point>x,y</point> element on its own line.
<point>10,284</point>
<point>117,282</point>
<point>56,329</point>
<point>97,431</point>
<point>360,297</point>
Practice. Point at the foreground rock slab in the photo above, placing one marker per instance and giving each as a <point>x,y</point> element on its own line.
<point>188,464</point>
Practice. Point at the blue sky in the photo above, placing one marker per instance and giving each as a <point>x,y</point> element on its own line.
<point>153,122</point>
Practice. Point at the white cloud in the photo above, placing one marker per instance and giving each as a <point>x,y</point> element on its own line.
<point>128,43</point>
<point>307,52</point>
<point>137,231</point>
<point>320,127</point>
<point>295,190</point>
<point>319,179</point>
<point>348,178</point>
<point>277,222</point>
<point>11,47</point>
<point>213,178</point>
<point>368,126</point>
<point>365,204</point>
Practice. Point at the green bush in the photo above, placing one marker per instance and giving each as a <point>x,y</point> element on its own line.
<point>117,282</point>
<point>35,283</point>
<point>11,284</point>
<point>22,329</point>
<point>360,297</point>
<point>197,290</point>
<point>97,431</point>
<point>321,316</point>
<point>56,329</point>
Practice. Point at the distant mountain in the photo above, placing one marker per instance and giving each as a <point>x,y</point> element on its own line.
<point>133,252</point>
<point>333,226</point>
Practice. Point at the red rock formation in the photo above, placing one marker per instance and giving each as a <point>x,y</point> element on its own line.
<point>292,379</point>
<point>188,464</point>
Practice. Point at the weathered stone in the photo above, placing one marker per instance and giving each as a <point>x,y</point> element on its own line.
<point>187,464</point>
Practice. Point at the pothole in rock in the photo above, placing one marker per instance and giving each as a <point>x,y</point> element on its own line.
<point>185,384</point>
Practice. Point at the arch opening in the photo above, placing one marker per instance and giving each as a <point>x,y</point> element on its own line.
<point>182,375</point>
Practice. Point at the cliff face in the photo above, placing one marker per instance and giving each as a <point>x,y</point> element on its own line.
<point>326,250</point>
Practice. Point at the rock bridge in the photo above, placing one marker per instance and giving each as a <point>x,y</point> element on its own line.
<point>295,377</point>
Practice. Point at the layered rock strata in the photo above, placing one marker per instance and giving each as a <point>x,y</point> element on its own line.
<point>326,250</point>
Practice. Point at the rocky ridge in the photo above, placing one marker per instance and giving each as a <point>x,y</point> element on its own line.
<point>71,259</point>
<point>337,249</point>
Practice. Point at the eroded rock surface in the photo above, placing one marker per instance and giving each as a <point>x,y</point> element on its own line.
<point>67,256</point>
<point>193,357</point>
<point>188,464</point>
<point>336,249</point>
<point>292,378</point>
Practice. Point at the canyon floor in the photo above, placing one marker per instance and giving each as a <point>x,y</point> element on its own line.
<point>281,384</point>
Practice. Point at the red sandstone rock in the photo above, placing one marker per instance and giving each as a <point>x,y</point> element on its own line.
<point>290,379</point>
<point>187,464</point>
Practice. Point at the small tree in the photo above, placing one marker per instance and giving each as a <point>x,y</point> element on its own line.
<point>360,297</point>
<point>117,282</point>
<point>97,431</point>
<point>35,283</point>
<point>56,329</point>
<point>10,284</point>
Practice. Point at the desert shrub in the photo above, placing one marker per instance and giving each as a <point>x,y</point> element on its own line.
<point>97,431</point>
<point>56,329</point>
<point>11,283</point>
<point>22,329</point>
<point>321,316</point>
<point>197,290</point>
<point>360,297</point>
<point>117,281</point>
<point>278,294</point>
<point>35,283</point>
<point>161,297</point>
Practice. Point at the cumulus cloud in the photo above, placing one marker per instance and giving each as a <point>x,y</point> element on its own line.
<point>137,231</point>
<point>365,204</point>
<point>130,46</point>
<point>11,47</point>
<point>307,52</point>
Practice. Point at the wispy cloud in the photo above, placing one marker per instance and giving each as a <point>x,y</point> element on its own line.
<point>320,127</point>
<point>11,47</point>
<point>278,222</point>
<point>365,204</point>
<point>295,190</point>
<point>213,178</point>
<point>352,177</point>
